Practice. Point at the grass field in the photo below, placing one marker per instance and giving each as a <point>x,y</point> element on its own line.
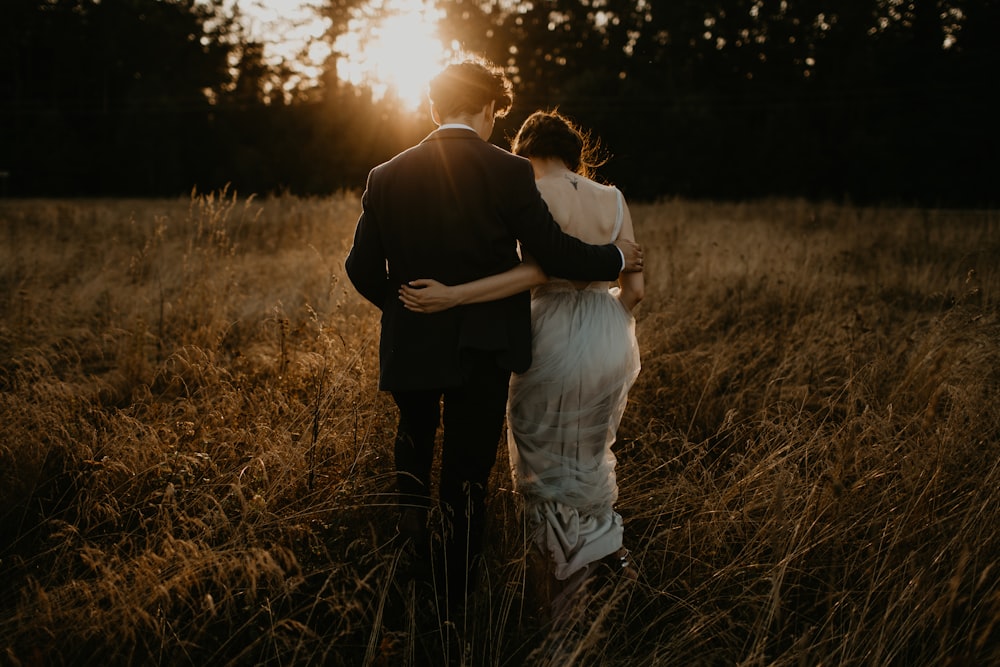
<point>195,462</point>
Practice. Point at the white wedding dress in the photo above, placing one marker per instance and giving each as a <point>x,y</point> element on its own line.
<point>563,415</point>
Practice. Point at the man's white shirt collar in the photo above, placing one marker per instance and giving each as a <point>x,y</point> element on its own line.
<point>453,126</point>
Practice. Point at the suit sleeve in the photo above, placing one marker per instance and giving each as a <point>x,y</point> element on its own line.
<point>366,262</point>
<point>558,253</point>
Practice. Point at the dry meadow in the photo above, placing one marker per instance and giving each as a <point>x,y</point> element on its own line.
<point>195,462</point>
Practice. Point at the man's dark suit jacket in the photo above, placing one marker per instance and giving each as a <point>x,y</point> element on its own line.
<point>452,208</point>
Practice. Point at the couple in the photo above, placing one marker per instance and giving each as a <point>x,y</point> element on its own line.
<point>452,211</point>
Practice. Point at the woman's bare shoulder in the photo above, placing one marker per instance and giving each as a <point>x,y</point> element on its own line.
<point>606,188</point>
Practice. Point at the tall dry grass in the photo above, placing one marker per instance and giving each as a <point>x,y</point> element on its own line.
<point>195,463</point>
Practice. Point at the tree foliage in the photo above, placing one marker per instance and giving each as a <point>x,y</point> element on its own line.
<point>105,97</point>
<point>874,99</point>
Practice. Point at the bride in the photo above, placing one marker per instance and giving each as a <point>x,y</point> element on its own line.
<point>563,412</point>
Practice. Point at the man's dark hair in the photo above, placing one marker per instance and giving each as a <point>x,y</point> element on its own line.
<point>468,86</point>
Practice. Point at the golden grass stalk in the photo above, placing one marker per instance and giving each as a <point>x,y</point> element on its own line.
<point>195,463</point>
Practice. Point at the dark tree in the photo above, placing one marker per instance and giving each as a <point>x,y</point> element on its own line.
<point>751,97</point>
<point>94,90</point>
<point>874,100</point>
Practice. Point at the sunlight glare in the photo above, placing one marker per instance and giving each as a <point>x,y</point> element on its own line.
<point>292,34</point>
<point>392,46</point>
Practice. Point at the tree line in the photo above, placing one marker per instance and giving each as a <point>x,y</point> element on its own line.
<point>870,100</point>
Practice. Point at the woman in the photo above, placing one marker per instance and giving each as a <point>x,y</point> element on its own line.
<point>564,411</point>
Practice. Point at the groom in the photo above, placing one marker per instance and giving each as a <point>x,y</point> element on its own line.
<point>453,208</point>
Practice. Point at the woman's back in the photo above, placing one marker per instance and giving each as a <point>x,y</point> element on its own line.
<point>582,207</point>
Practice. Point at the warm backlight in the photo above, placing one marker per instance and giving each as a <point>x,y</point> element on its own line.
<point>393,47</point>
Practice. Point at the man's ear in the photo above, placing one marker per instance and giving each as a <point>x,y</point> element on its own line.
<point>435,116</point>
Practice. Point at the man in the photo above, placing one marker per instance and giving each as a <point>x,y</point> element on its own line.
<point>453,208</point>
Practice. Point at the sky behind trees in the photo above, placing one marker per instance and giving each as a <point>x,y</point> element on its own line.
<point>872,100</point>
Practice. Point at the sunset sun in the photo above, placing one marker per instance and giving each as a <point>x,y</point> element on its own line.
<point>393,47</point>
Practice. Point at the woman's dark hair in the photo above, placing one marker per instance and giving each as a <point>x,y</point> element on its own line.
<point>468,86</point>
<point>549,134</point>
